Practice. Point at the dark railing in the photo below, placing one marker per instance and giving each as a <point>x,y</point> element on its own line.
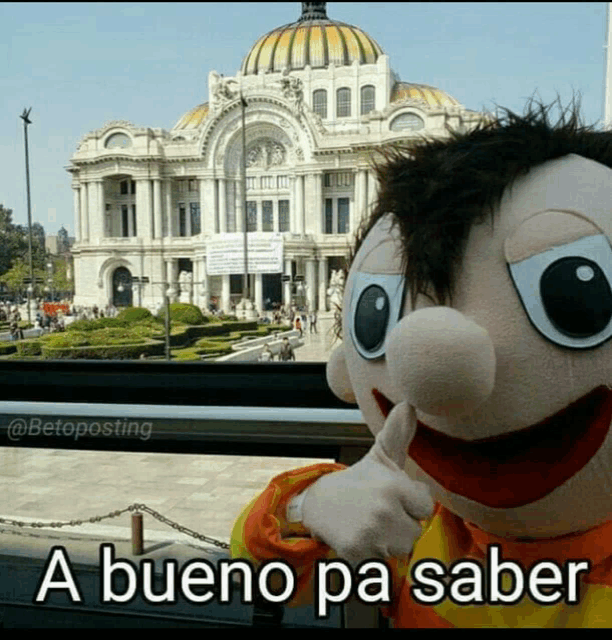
<point>259,409</point>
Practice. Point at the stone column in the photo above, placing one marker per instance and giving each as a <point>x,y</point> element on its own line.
<point>205,198</point>
<point>287,285</point>
<point>77,213</point>
<point>315,225</point>
<point>299,205</point>
<point>239,206</point>
<point>84,212</point>
<point>362,192</point>
<point>259,293</point>
<point>222,207</point>
<point>157,208</point>
<point>372,190</point>
<point>172,275</point>
<point>143,209</point>
<point>225,294</point>
<point>96,221</point>
<point>323,284</point>
<point>310,284</point>
<point>168,209</point>
<point>130,215</point>
<point>204,284</point>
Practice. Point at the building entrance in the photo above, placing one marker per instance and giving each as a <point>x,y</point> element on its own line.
<point>272,290</point>
<point>122,287</point>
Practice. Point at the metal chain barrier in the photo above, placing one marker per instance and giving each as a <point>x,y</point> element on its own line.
<point>113,514</point>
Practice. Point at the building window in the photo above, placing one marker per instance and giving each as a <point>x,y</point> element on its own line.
<point>367,99</point>
<point>124,221</point>
<point>194,212</point>
<point>134,232</point>
<point>182,220</point>
<point>133,185</point>
<point>343,215</point>
<point>267,223</point>
<point>283,215</point>
<point>181,186</point>
<point>123,187</point>
<point>282,182</point>
<point>319,102</point>
<point>338,179</point>
<point>193,185</point>
<point>329,215</point>
<point>407,122</point>
<point>251,215</point>
<point>343,103</point>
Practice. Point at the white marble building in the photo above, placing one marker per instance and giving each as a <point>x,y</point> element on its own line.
<point>320,98</point>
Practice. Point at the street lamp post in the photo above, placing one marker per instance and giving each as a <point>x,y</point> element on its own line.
<point>245,285</point>
<point>25,116</point>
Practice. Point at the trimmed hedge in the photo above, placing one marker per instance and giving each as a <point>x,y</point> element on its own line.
<point>134,314</point>
<point>185,313</point>
<point>28,347</point>
<point>104,352</point>
<point>6,348</point>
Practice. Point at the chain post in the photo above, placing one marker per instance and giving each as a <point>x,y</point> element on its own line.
<point>137,534</point>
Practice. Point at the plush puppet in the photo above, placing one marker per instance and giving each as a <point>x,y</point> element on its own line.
<point>476,329</point>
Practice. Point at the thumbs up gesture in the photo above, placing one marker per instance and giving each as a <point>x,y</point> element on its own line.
<point>372,509</point>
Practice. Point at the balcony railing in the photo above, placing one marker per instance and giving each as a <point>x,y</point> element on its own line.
<point>259,409</point>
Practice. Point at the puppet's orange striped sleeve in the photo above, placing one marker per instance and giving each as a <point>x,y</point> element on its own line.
<point>257,536</point>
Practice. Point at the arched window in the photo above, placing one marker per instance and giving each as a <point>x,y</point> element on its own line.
<point>343,103</point>
<point>407,122</point>
<point>319,102</point>
<point>367,99</point>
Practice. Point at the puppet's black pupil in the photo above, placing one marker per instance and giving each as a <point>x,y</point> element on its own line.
<point>577,297</point>
<point>372,317</point>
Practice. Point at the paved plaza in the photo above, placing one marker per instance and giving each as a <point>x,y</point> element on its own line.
<point>202,492</point>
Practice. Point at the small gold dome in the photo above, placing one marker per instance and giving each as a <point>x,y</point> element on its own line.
<point>313,40</point>
<point>430,95</point>
<point>192,119</point>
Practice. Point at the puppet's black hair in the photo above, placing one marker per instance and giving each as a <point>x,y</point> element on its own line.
<point>437,189</point>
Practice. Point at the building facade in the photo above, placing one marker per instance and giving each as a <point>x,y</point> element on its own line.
<point>318,99</point>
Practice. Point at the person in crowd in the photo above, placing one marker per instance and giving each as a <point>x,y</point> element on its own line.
<point>286,351</point>
<point>266,354</point>
<point>313,322</point>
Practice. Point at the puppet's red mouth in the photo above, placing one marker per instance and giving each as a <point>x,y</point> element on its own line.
<point>515,469</point>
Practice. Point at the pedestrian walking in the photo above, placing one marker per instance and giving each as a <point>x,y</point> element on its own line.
<point>298,325</point>
<point>286,351</point>
<point>313,322</point>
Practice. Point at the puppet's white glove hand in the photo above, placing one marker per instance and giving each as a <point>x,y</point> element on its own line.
<point>372,509</point>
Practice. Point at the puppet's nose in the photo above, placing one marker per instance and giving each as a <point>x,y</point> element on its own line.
<point>441,362</point>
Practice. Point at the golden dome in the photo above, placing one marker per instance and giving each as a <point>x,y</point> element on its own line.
<point>313,40</point>
<point>430,95</point>
<point>192,119</point>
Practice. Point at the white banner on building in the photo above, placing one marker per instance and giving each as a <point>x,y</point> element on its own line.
<point>225,253</point>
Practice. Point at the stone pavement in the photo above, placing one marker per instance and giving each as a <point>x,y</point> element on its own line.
<point>205,493</point>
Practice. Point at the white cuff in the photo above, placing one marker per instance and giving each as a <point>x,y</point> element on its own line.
<point>294,508</point>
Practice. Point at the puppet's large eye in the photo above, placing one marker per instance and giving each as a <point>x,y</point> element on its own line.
<point>375,307</point>
<point>576,296</point>
<point>566,292</point>
<point>371,317</point>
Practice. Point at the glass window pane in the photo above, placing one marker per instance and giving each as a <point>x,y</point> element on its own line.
<point>319,102</point>
<point>124,221</point>
<point>283,215</point>
<point>267,223</point>
<point>134,220</point>
<point>182,221</point>
<point>343,104</point>
<point>328,215</point>
<point>367,99</point>
<point>194,208</point>
<point>251,215</point>
<point>343,215</point>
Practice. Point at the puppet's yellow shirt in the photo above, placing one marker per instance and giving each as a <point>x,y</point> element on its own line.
<point>447,539</point>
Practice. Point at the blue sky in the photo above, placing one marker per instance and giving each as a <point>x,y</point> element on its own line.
<point>79,65</point>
